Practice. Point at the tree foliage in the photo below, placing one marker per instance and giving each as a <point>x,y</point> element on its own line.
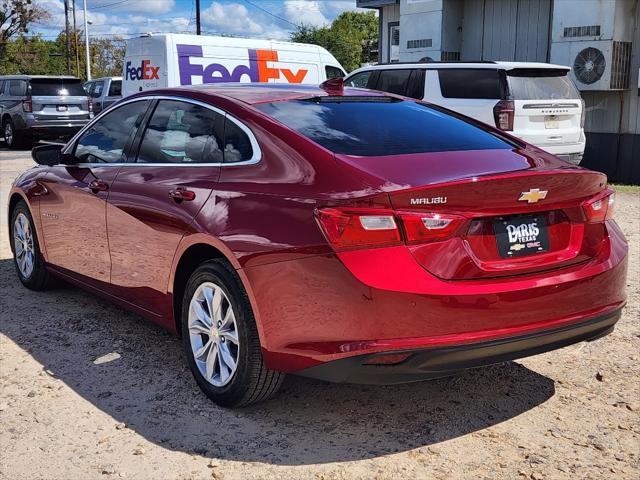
<point>15,18</point>
<point>351,38</point>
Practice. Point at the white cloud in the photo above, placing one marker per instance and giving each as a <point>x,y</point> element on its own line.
<point>305,12</point>
<point>141,6</point>
<point>230,18</point>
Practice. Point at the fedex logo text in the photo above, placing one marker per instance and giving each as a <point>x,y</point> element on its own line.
<point>257,71</point>
<point>144,72</point>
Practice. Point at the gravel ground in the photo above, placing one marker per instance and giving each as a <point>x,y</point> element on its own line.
<point>137,413</point>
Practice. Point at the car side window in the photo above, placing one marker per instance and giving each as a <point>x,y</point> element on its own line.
<point>105,141</point>
<point>96,91</point>
<point>359,80</point>
<point>182,132</point>
<point>470,83</point>
<point>394,81</point>
<point>415,88</point>
<point>1,88</point>
<point>237,145</point>
<point>115,89</point>
<point>17,88</point>
<point>333,72</point>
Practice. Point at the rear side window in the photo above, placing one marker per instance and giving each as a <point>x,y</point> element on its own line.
<point>17,88</point>
<point>471,83</point>
<point>540,85</point>
<point>359,80</point>
<point>343,125</point>
<point>57,87</point>
<point>105,141</point>
<point>393,81</point>
<point>97,89</point>
<point>181,132</point>
<point>237,145</point>
<point>115,89</point>
<point>333,72</point>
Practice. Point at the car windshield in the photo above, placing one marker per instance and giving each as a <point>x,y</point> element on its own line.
<point>541,85</point>
<point>377,126</point>
<point>57,87</point>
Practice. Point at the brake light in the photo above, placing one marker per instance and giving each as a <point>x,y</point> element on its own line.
<point>347,228</point>
<point>27,106</point>
<point>503,114</point>
<point>600,208</point>
<point>90,104</point>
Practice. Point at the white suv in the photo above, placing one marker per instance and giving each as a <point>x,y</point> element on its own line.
<point>537,102</point>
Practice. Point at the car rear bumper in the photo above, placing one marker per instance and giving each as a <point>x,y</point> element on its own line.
<point>570,152</point>
<point>326,308</point>
<point>425,364</point>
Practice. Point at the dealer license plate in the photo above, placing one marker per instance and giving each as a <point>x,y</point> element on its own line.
<point>519,236</point>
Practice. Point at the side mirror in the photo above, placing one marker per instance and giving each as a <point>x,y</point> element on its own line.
<point>50,155</point>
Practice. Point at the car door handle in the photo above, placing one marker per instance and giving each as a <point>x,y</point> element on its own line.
<point>182,194</point>
<point>98,186</point>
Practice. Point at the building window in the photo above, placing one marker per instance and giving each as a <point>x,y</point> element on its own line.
<point>394,42</point>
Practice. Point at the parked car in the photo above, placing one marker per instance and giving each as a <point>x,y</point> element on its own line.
<point>283,229</point>
<point>34,107</point>
<point>536,102</point>
<point>171,60</point>
<point>104,92</point>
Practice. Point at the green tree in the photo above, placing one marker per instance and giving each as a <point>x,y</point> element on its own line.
<point>351,38</point>
<point>15,18</point>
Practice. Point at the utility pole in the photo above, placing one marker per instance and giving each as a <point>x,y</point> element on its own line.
<point>86,40</point>
<point>66,29</point>
<point>75,38</point>
<point>198,32</point>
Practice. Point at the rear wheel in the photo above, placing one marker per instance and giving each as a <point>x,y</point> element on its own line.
<point>220,338</point>
<point>12,137</point>
<point>26,250</point>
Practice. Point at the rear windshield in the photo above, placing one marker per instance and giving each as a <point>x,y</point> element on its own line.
<point>376,126</point>
<point>57,87</point>
<point>541,85</point>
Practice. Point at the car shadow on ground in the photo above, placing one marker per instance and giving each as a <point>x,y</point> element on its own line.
<point>150,389</point>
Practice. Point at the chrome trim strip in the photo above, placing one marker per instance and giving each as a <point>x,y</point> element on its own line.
<point>257,152</point>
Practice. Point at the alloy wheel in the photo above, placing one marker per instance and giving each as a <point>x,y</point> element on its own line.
<point>23,245</point>
<point>8,134</point>
<point>213,334</point>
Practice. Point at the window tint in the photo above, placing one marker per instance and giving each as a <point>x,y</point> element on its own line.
<point>415,89</point>
<point>359,80</point>
<point>105,141</point>
<point>17,88</point>
<point>1,87</point>
<point>343,125</point>
<point>333,72</point>
<point>393,81</point>
<point>97,89</point>
<point>531,85</point>
<point>470,83</point>
<point>115,89</point>
<point>182,132</point>
<point>237,146</point>
<point>55,87</point>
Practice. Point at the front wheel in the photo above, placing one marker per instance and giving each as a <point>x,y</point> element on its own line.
<point>221,340</point>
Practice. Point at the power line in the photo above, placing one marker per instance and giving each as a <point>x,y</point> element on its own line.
<point>109,5</point>
<point>272,14</point>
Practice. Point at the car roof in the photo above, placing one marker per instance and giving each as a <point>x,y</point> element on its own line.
<point>479,65</point>
<point>27,77</point>
<point>256,93</point>
<point>103,78</point>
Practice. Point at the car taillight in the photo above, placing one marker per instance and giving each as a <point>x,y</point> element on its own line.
<point>600,208</point>
<point>27,106</point>
<point>352,228</point>
<point>583,113</point>
<point>90,104</point>
<point>503,114</point>
<point>347,228</point>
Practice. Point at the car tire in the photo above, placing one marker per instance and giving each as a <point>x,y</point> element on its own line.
<point>28,260</point>
<point>216,312</point>
<point>14,139</point>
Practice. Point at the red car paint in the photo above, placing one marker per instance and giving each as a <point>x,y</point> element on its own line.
<point>312,303</point>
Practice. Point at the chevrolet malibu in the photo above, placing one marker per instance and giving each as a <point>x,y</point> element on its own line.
<point>289,229</point>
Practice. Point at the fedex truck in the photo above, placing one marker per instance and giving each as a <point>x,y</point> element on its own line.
<point>170,60</point>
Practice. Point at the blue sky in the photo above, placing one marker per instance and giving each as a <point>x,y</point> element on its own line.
<point>249,18</point>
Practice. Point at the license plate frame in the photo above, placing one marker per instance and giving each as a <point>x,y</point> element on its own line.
<point>62,108</point>
<point>521,236</point>
<point>551,122</point>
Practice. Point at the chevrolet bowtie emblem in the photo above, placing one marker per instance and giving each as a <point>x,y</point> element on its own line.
<point>533,195</point>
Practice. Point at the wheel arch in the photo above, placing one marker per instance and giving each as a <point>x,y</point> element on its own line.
<point>15,197</point>
<point>192,253</point>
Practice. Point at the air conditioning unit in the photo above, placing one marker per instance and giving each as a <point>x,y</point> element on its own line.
<point>601,65</point>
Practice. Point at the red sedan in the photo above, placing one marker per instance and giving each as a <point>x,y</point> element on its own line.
<point>344,235</point>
